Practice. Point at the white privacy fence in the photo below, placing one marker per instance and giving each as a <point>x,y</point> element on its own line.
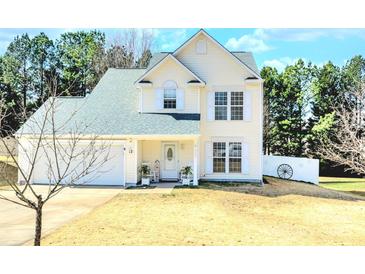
<point>293,168</point>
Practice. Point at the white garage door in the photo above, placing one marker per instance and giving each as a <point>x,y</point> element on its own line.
<point>110,173</point>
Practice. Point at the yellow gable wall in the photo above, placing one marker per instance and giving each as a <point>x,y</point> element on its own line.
<point>216,67</point>
<point>170,70</point>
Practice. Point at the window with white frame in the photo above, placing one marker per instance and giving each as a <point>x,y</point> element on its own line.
<point>220,105</point>
<point>219,157</point>
<point>235,157</point>
<point>169,95</point>
<point>236,105</point>
<point>224,101</point>
<point>227,157</point>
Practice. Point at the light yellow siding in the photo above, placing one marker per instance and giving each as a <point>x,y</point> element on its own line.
<point>216,67</point>
<point>170,70</point>
<point>131,156</point>
<point>222,72</point>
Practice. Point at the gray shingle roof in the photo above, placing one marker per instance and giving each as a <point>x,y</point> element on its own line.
<point>247,59</point>
<point>156,57</point>
<point>112,109</point>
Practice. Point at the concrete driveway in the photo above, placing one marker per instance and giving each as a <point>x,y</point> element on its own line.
<point>17,222</point>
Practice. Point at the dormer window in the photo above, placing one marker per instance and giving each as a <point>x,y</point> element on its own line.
<point>169,95</point>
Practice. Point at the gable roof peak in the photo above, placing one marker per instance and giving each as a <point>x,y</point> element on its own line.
<point>157,64</point>
<point>203,31</point>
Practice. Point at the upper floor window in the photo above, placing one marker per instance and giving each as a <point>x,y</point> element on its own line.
<point>220,102</point>
<point>237,105</point>
<point>169,95</point>
<point>228,105</point>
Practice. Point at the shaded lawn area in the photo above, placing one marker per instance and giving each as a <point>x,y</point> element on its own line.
<point>280,213</point>
<point>7,172</point>
<point>350,185</point>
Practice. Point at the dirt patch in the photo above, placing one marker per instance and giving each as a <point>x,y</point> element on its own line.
<point>280,213</point>
<point>274,187</point>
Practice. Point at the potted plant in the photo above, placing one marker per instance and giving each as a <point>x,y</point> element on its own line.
<point>186,173</point>
<point>145,174</point>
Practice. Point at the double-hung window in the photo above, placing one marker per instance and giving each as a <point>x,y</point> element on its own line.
<point>221,104</point>
<point>236,105</point>
<point>219,157</point>
<point>227,157</point>
<point>235,157</point>
<point>169,98</point>
<point>228,105</point>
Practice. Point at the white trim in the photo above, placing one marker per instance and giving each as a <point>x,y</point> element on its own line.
<point>147,85</point>
<point>261,121</point>
<point>196,84</point>
<point>228,140</point>
<point>254,81</point>
<point>199,94</point>
<point>162,61</point>
<point>219,45</point>
<point>170,84</point>
<point>195,162</point>
<point>228,106</point>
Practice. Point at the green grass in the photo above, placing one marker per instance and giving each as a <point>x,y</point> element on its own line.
<point>351,185</point>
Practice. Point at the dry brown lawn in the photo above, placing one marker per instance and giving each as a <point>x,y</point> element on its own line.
<point>280,213</point>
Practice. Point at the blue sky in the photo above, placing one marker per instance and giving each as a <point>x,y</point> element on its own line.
<point>275,47</point>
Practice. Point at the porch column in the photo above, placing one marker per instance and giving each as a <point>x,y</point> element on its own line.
<point>196,160</point>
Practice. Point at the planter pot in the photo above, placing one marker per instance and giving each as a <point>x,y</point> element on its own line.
<point>146,181</point>
<point>185,181</point>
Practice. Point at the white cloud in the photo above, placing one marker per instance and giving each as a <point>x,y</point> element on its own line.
<point>281,63</point>
<point>249,42</point>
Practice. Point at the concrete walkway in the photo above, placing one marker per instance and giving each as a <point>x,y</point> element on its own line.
<point>17,222</point>
<point>160,188</point>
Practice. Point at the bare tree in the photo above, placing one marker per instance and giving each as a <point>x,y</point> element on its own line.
<point>57,140</point>
<point>345,145</point>
<point>129,49</point>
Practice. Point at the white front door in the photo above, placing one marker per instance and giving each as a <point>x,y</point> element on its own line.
<point>169,169</point>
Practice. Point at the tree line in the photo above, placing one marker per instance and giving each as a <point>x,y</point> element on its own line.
<point>300,108</point>
<point>299,102</point>
<point>71,65</point>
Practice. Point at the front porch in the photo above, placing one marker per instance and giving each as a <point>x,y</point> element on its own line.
<point>164,157</point>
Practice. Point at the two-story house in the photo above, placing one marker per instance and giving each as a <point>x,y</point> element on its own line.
<point>199,106</point>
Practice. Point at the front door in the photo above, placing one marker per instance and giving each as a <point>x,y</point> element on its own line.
<point>169,170</point>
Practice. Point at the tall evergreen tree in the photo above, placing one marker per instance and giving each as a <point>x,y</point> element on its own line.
<point>43,64</point>
<point>326,90</point>
<point>17,66</point>
<point>290,110</point>
<point>77,51</point>
<point>12,101</point>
